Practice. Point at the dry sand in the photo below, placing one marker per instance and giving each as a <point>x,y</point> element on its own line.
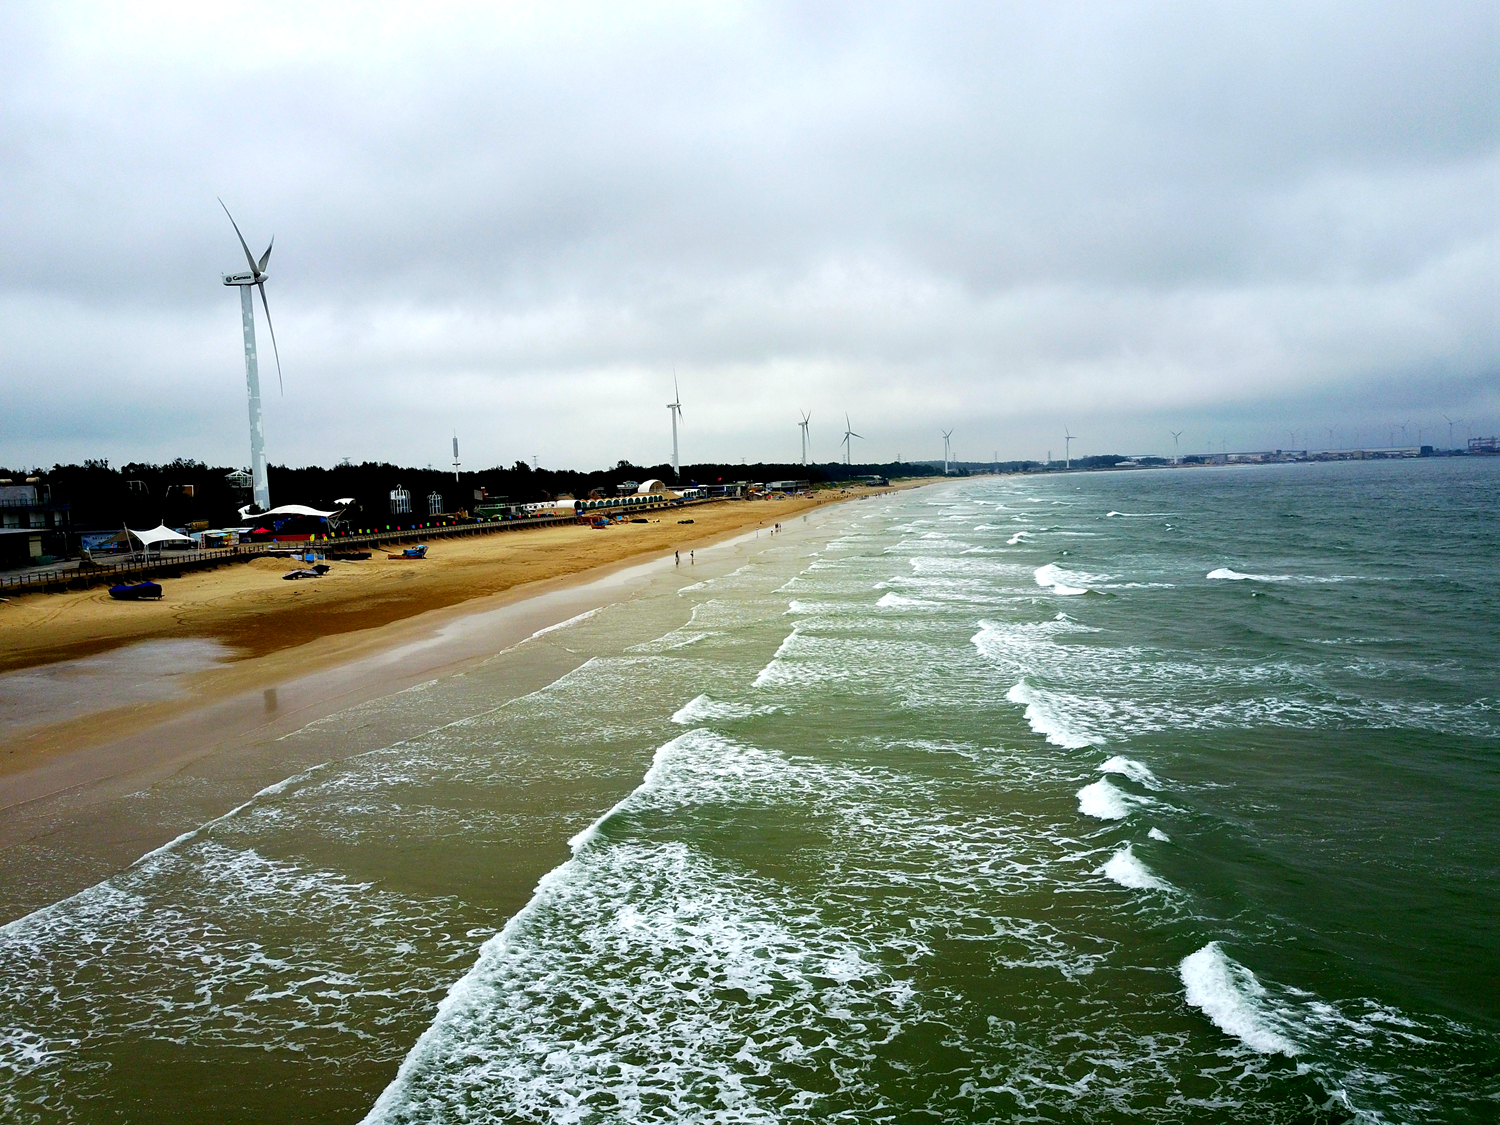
<point>250,608</point>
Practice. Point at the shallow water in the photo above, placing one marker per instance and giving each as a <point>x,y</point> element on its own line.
<point>1169,796</point>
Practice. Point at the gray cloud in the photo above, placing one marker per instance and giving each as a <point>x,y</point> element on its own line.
<point>1241,219</point>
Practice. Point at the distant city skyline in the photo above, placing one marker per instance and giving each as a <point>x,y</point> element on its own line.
<point>1258,228</point>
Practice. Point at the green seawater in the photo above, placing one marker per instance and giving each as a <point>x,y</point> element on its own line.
<point>1166,796</point>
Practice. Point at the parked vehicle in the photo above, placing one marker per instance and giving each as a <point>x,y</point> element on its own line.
<point>135,592</point>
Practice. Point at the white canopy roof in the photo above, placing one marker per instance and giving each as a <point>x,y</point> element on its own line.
<point>159,534</point>
<point>295,510</point>
<point>649,486</point>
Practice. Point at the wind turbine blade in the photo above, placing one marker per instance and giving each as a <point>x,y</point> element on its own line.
<point>249,257</point>
<point>266,257</point>
<point>860,436</point>
<point>274,349</point>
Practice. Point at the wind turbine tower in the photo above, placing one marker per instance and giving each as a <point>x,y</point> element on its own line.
<point>675,407</point>
<point>947,434</point>
<point>1176,449</point>
<point>847,444</point>
<point>455,456</point>
<point>1067,449</point>
<point>802,425</point>
<point>256,278</point>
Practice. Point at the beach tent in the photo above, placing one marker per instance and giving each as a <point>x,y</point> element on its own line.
<point>159,535</point>
<point>295,510</point>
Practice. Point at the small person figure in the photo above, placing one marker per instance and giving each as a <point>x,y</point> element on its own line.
<point>692,558</point>
<point>677,558</point>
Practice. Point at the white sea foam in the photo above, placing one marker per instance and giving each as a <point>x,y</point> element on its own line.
<point>1230,995</point>
<point>1019,537</point>
<point>1124,868</point>
<point>1158,834</point>
<point>1103,801</point>
<point>565,624</point>
<point>702,709</point>
<point>1224,574</point>
<point>1052,576</point>
<point>1046,716</point>
<point>636,949</point>
<point>1129,767</point>
<point>894,600</point>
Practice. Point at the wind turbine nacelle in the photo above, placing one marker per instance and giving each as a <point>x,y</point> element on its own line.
<point>243,278</point>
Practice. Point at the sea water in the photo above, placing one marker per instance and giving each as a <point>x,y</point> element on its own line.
<point>1162,796</point>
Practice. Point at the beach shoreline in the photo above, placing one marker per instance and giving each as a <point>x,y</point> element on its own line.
<point>74,781</point>
<point>247,608</point>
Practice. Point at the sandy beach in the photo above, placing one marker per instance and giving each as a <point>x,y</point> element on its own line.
<point>208,681</point>
<point>250,609</point>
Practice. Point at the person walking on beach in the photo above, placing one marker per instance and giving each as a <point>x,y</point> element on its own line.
<point>677,558</point>
<point>692,558</point>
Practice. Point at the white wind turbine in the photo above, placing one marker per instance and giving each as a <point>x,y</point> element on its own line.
<point>846,443</point>
<point>456,461</point>
<point>1176,449</point>
<point>675,406</point>
<point>1067,448</point>
<point>256,278</point>
<point>947,434</point>
<point>802,425</point>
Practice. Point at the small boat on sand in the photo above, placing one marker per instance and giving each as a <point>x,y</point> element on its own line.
<point>308,572</point>
<point>135,591</point>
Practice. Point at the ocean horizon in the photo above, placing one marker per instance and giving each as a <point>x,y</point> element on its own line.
<point>1164,796</point>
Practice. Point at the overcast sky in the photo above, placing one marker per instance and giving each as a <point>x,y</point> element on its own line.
<point>1242,221</point>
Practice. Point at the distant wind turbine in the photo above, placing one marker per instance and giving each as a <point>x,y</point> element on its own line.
<point>1067,448</point>
<point>675,406</point>
<point>1176,450</point>
<point>256,278</point>
<point>846,443</point>
<point>947,434</point>
<point>455,455</point>
<point>802,425</point>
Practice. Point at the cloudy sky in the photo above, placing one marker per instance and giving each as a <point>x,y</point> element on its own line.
<point>1262,224</point>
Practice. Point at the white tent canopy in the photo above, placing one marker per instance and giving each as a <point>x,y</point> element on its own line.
<point>295,510</point>
<point>159,534</point>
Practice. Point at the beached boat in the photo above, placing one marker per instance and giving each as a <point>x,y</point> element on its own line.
<point>135,591</point>
<point>307,572</point>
